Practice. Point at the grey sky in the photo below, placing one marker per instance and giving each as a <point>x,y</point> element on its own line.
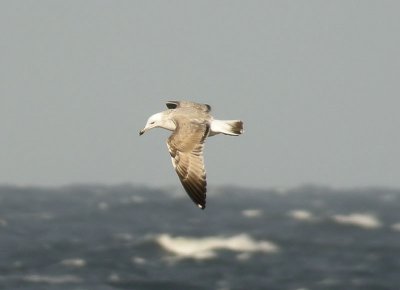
<point>316,83</point>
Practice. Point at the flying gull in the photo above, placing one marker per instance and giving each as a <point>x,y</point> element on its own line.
<point>191,123</point>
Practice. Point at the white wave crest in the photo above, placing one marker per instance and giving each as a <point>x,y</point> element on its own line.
<point>396,227</point>
<point>52,279</point>
<point>252,213</point>
<point>138,260</point>
<point>75,262</point>
<point>301,215</point>
<point>205,248</point>
<point>366,221</point>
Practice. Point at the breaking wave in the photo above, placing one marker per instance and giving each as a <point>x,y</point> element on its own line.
<point>74,262</point>
<point>300,214</point>
<point>396,227</point>
<point>205,248</point>
<point>252,213</point>
<point>63,279</point>
<point>366,221</point>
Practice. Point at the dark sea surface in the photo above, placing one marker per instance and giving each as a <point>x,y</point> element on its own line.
<point>129,237</point>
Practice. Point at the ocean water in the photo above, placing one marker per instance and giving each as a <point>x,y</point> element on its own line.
<point>131,237</point>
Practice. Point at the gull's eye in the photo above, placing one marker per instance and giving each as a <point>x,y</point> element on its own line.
<point>151,123</point>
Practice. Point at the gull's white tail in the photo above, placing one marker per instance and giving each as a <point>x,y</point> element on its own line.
<point>227,127</point>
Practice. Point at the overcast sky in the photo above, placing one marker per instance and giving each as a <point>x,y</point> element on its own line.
<point>317,84</point>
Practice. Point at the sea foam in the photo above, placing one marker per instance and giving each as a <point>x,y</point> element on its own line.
<point>74,263</point>
<point>300,214</point>
<point>366,221</point>
<point>205,248</point>
<point>63,279</point>
<point>252,213</point>
<point>396,227</point>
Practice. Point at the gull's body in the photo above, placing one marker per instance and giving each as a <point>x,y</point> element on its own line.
<point>191,124</point>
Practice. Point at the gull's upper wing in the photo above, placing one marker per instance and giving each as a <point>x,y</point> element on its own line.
<point>186,104</point>
<point>185,146</point>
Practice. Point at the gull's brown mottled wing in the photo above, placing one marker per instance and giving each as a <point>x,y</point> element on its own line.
<point>185,146</point>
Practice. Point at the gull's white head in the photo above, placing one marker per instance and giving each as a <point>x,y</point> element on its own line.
<point>158,120</point>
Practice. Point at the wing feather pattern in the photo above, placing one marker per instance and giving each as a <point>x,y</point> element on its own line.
<point>185,146</point>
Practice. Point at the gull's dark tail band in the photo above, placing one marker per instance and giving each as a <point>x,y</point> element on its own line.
<point>227,127</point>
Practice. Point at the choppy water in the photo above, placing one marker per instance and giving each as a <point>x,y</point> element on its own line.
<point>126,237</point>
